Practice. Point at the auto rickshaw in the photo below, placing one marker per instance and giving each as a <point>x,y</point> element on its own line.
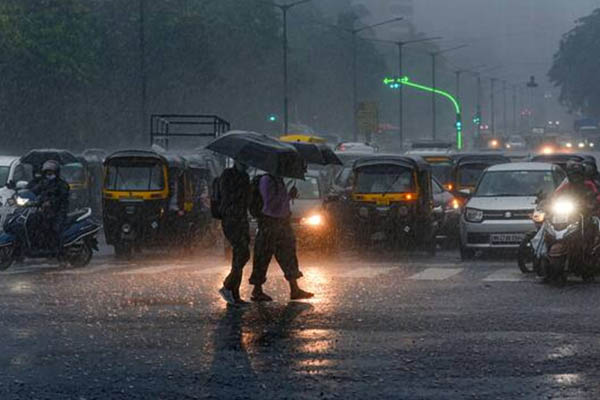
<point>468,167</point>
<point>391,199</point>
<point>302,138</point>
<point>147,201</point>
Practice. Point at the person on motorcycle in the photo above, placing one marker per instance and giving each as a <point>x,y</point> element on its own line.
<point>591,173</point>
<point>576,183</point>
<point>52,194</point>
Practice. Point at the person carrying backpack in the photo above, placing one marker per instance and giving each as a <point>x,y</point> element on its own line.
<point>275,238</point>
<point>233,189</point>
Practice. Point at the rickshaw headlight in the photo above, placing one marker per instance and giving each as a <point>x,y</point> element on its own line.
<point>473,215</point>
<point>126,228</point>
<point>314,220</point>
<point>363,212</point>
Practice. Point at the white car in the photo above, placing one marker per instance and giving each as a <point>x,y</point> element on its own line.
<point>498,214</point>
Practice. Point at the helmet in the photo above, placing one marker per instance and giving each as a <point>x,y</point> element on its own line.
<point>51,165</point>
<point>575,171</point>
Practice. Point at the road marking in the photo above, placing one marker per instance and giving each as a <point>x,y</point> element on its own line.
<point>365,272</point>
<point>156,269</point>
<point>506,275</point>
<point>436,274</point>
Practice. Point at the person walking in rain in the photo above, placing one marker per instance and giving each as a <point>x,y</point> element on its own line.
<point>234,187</point>
<point>275,237</point>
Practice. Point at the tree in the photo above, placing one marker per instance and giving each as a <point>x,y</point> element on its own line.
<point>576,64</point>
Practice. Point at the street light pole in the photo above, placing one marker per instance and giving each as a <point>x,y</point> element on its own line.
<point>354,33</point>
<point>433,71</point>
<point>492,106</point>
<point>284,8</point>
<point>504,115</point>
<point>401,45</point>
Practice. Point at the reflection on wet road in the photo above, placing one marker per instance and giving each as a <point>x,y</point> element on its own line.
<point>400,328</point>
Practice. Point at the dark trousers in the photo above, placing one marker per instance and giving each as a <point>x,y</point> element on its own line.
<point>275,238</point>
<point>237,232</point>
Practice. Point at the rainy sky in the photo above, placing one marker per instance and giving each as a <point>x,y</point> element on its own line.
<point>517,36</point>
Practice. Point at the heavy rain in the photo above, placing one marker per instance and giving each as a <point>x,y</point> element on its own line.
<point>299,199</point>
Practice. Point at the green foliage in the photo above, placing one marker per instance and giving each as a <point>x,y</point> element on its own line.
<point>576,65</point>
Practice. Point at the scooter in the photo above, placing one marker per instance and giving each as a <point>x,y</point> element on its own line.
<point>570,242</point>
<point>78,239</point>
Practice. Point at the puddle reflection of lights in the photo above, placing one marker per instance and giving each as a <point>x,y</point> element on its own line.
<point>563,351</point>
<point>316,340</point>
<point>314,275</point>
<point>21,287</point>
<point>566,379</point>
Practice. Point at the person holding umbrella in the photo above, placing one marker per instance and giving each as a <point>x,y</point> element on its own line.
<point>234,189</point>
<point>275,238</point>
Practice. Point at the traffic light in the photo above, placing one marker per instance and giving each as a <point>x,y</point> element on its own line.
<point>272,118</point>
<point>477,119</point>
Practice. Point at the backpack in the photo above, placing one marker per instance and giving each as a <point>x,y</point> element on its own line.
<point>255,205</point>
<point>215,199</point>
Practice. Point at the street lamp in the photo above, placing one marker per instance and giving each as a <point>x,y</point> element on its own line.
<point>354,33</point>
<point>284,10</point>
<point>400,45</point>
<point>433,70</point>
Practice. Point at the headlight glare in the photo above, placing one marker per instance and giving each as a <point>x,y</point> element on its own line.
<point>313,220</point>
<point>563,207</point>
<point>22,201</point>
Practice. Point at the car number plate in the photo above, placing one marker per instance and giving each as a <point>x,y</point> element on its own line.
<point>507,238</point>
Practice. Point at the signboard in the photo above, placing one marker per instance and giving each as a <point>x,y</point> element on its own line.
<point>367,117</point>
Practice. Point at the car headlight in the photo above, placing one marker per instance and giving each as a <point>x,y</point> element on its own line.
<point>493,143</point>
<point>22,201</point>
<point>508,146</point>
<point>538,216</point>
<point>591,144</point>
<point>455,204</point>
<point>569,145</point>
<point>126,228</point>
<point>314,220</point>
<point>473,215</point>
<point>565,207</point>
<point>581,145</point>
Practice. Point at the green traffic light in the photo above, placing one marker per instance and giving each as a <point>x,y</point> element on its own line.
<point>272,118</point>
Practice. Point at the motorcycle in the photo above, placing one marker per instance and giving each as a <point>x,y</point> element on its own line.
<point>568,241</point>
<point>78,239</point>
<point>528,255</point>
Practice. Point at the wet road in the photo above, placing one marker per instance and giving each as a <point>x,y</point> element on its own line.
<point>379,327</point>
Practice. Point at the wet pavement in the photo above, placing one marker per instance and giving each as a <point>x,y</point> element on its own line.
<point>409,327</point>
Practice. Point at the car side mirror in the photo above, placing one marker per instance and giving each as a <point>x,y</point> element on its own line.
<point>11,185</point>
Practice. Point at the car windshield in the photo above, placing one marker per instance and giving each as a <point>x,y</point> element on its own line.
<point>469,174</point>
<point>72,173</point>
<point>138,177</point>
<point>4,171</point>
<point>308,189</point>
<point>515,183</point>
<point>384,179</point>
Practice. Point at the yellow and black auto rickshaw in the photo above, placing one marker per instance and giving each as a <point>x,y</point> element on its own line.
<point>391,199</point>
<point>148,201</point>
<point>468,168</point>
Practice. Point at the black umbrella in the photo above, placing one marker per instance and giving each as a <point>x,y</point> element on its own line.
<point>38,157</point>
<point>317,153</point>
<point>262,152</point>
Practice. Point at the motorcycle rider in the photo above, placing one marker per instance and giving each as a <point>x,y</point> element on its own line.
<point>577,183</point>
<point>52,193</point>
